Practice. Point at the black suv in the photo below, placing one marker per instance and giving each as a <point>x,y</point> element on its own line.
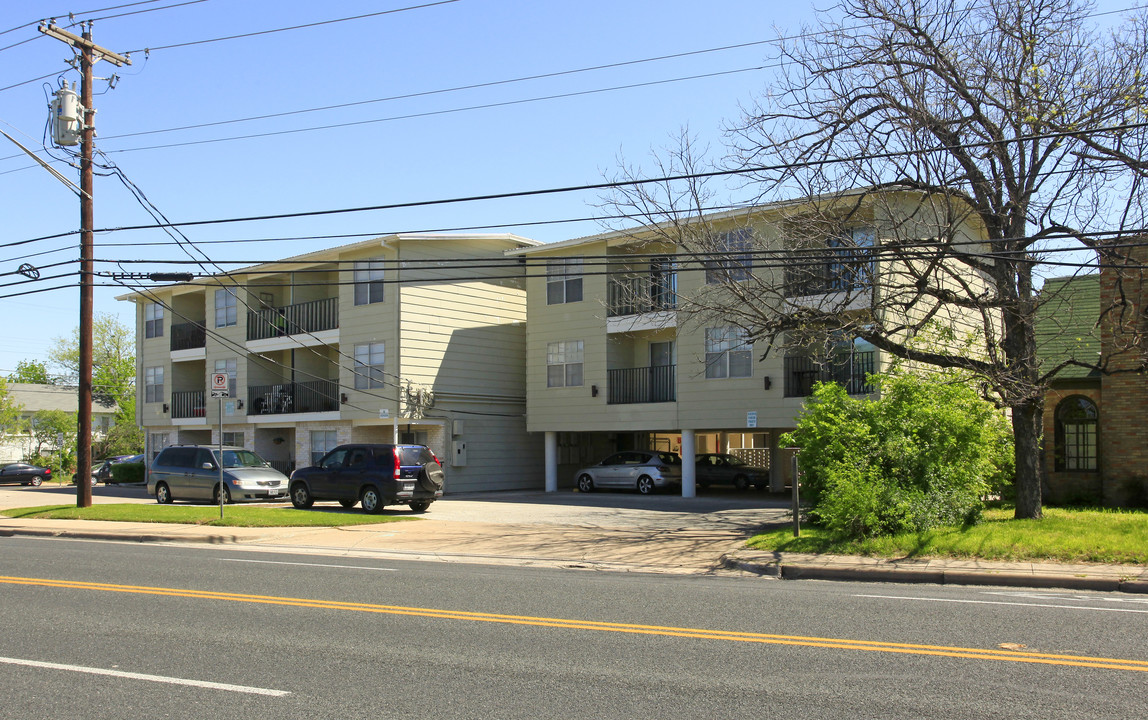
<point>375,475</point>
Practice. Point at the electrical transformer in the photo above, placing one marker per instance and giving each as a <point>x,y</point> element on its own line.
<point>67,117</point>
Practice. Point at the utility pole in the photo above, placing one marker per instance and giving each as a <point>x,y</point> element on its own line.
<point>90,53</point>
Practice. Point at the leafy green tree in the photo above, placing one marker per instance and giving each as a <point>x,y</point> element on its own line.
<point>113,378</point>
<point>32,371</point>
<point>54,437</point>
<point>9,410</point>
<point>924,454</point>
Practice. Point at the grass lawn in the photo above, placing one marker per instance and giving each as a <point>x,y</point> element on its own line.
<point>1064,535</point>
<point>233,515</point>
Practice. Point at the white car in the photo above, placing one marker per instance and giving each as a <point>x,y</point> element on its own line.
<point>641,470</point>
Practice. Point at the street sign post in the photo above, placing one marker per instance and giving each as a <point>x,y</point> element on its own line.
<point>219,389</point>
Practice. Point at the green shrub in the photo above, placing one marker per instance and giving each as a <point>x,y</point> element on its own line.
<point>925,454</point>
<point>128,473</point>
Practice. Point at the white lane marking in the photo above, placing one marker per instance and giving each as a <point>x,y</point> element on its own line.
<point>142,676</point>
<point>344,567</point>
<point>998,602</point>
<point>1133,600</point>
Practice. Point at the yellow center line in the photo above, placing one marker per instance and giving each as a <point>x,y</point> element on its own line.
<point>568,624</point>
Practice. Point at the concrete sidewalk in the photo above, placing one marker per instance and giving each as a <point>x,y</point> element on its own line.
<point>681,550</point>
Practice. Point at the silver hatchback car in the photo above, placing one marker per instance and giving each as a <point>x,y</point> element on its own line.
<point>191,472</point>
<point>641,470</point>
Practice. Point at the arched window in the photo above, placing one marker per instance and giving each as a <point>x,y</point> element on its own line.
<point>1076,434</point>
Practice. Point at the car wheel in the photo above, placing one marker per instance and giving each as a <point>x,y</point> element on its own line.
<point>37,480</point>
<point>741,483</point>
<point>646,485</point>
<point>419,506</point>
<point>348,503</point>
<point>372,502</point>
<point>301,496</point>
<point>215,495</point>
<point>585,484</point>
<point>162,494</point>
<point>431,477</point>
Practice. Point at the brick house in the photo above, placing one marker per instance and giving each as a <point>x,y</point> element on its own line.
<point>1095,435</point>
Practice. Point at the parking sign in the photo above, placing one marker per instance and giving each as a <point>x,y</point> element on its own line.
<point>219,385</point>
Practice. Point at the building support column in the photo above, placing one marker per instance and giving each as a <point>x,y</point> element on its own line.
<point>776,469</point>
<point>689,458</point>
<point>551,461</point>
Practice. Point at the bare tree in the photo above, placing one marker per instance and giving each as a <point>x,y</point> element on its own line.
<point>942,155</point>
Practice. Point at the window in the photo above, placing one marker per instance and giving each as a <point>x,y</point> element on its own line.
<point>157,442</point>
<point>563,281</point>
<point>226,308</point>
<point>153,320</point>
<point>728,353</point>
<point>369,366</point>
<point>734,260</point>
<point>229,366</point>
<point>848,363</point>
<point>368,281</point>
<point>233,438</point>
<point>1076,434</point>
<point>853,267</point>
<point>322,442</point>
<point>153,384</point>
<point>564,364</point>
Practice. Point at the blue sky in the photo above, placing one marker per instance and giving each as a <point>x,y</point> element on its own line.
<point>431,146</point>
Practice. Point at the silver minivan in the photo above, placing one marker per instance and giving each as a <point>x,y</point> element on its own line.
<point>191,472</point>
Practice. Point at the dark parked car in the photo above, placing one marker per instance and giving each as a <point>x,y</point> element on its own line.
<point>24,474</point>
<point>191,472</point>
<point>641,470</point>
<point>104,472</point>
<point>374,475</point>
<point>725,469</point>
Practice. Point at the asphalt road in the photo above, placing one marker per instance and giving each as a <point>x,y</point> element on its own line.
<point>117,630</point>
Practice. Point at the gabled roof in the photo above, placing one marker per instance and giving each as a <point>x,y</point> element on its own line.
<point>35,397</point>
<point>1066,324</point>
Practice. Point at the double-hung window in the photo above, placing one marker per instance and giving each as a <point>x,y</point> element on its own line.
<point>564,364</point>
<point>368,281</point>
<point>153,320</point>
<point>369,366</point>
<point>728,353</point>
<point>322,442</point>
<point>226,308</point>
<point>1076,436</point>
<point>563,281</point>
<point>732,260</point>
<point>231,367</point>
<point>153,384</point>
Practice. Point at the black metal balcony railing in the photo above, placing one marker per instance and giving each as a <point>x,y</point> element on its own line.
<point>301,397</point>
<point>849,370</point>
<point>847,270</point>
<point>632,295</point>
<point>640,385</point>
<point>188,404</point>
<point>188,336</point>
<point>305,317</point>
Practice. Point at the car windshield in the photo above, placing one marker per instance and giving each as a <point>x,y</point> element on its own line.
<point>240,458</point>
<point>734,460</point>
<point>669,458</point>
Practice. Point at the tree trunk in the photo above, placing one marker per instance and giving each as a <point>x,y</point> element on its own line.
<point>1027,423</point>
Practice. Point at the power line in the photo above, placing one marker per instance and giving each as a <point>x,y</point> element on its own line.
<point>433,113</point>
<point>294,27</point>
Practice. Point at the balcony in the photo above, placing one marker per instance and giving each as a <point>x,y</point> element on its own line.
<point>641,385</point>
<point>834,270</point>
<point>308,317</point>
<point>849,370</point>
<point>634,295</point>
<point>188,404</point>
<point>289,398</point>
<point>188,336</point>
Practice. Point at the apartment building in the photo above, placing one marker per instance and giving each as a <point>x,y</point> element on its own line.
<point>415,338</point>
<point>620,356</point>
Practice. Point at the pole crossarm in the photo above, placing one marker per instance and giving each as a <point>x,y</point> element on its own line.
<point>98,53</point>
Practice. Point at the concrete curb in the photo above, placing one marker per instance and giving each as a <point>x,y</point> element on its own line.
<point>941,576</point>
<point>207,539</point>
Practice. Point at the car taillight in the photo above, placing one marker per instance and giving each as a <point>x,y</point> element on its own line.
<point>436,458</point>
<point>398,464</point>
<point>47,471</point>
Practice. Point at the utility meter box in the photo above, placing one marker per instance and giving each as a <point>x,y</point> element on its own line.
<point>458,454</point>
